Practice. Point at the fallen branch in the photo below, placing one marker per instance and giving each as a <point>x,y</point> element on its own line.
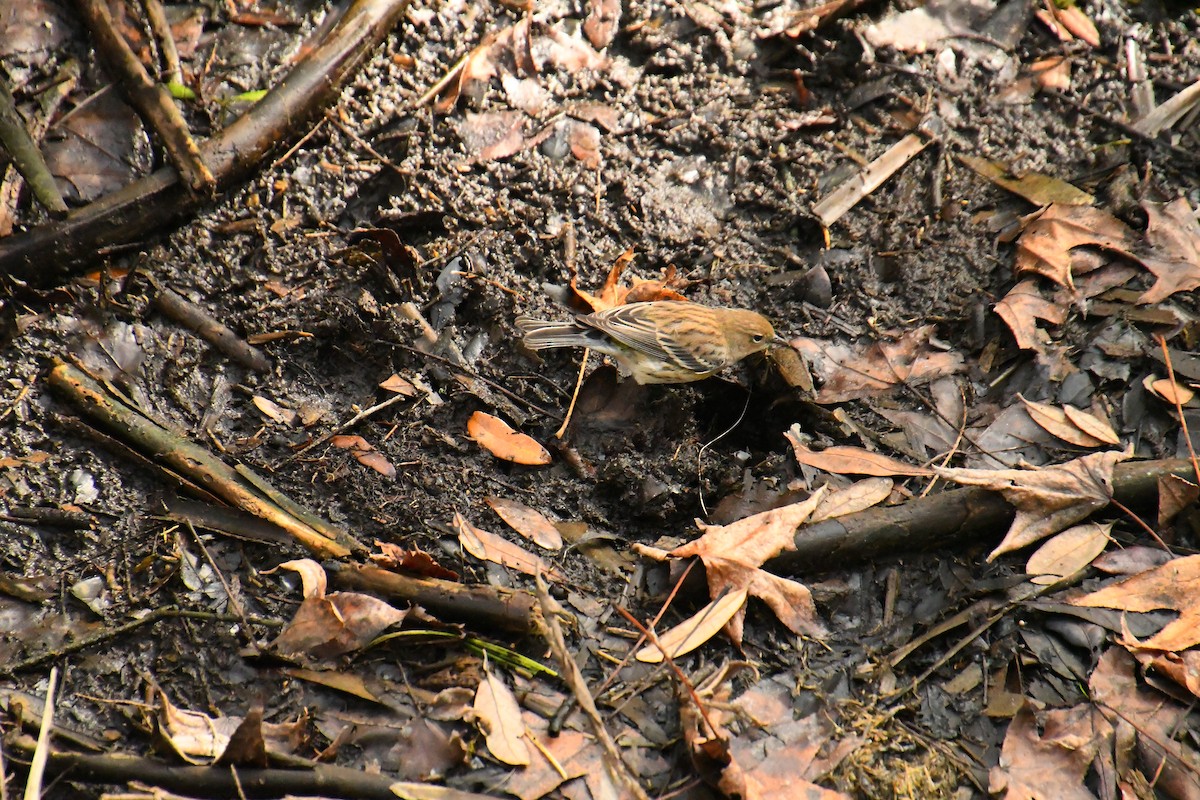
<point>159,199</point>
<point>211,330</point>
<point>188,459</point>
<point>942,520</point>
<point>150,99</point>
<point>484,606</point>
<point>220,782</point>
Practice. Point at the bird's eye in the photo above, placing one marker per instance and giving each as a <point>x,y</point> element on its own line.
<point>758,337</point>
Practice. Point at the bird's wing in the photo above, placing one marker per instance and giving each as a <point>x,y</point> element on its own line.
<point>664,335</point>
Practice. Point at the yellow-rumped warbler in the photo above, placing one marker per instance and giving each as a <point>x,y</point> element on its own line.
<point>662,341</point>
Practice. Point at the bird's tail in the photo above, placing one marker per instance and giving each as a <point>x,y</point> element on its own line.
<point>543,334</point>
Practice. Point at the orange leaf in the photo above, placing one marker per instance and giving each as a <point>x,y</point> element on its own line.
<point>531,524</point>
<point>494,435</point>
<point>365,454</point>
<point>487,546</point>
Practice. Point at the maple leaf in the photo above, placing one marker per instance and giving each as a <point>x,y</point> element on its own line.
<point>1175,236</point>
<point>734,554</point>
<point>1047,499</point>
<point>1175,585</point>
<point>1051,766</point>
<point>1046,243</point>
<point>1022,307</point>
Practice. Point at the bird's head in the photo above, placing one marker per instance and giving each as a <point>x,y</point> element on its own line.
<point>748,332</point>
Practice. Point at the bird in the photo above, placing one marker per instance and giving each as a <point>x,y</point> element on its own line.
<point>660,341</point>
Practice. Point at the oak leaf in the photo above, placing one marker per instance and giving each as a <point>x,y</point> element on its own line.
<point>1047,499</point>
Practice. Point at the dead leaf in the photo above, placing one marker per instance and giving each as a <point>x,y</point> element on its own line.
<point>397,385</point>
<point>1045,244</point>
<point>1022,307</point>
<point>1165,389</point>
<point>695,630</point>
<point>273,411</point>
<point>494,435</point>
<point>1052,73</point>
<point>859,496</point>
<point>1148,721</point>
<point>495,135</point>
<point>1041,190</point>
<point>845,460</point>
<point>1071,17</point>
<point>201,739</point>
<point>1047,499</point>
<point>876,368</point>
<point>488,546</point>
<point>499,716</point>
<point>1050,764</point>
<point>1174,234</point>
<point>1132,560</point>
<point>733,554</point>
<point>1068,552</point>
<point>603,20</point>
<point>1092,425</point>
<point>418,562</point>
<point>1175,585</point>
<point>531,524</point>
<point>1054,421</point>
<point>330,625</point>
<point>364,453</point>
<point>1174,495</point>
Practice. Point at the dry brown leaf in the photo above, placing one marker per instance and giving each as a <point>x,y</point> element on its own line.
<point>1022,307</point>
<point>1132,560</point>
<point>1092,425</point>
<point>364,453</point>
<point>394,557</point>
<point>1174,495</point>
<point>1174,234</point>
<point>397,385</point>
<point>1071,17</point>
<point>499,717</point>
<point>1047,499</point>
<point>733,554</point>
<point>1068,552</point>
<point>612,293</point>
<point>845,460</point>
<point>859,496</point>
<point>1148,722</point>
<point>695,630</point>
<point>1054,421</point>
<point>275,412</point>
<point>1045,245</point>
<point>330,625</point>
<point>531,524</point>
<point>495,135</point>
<point>1052,73</point>
<point>488,546</point>
<point>1050,761</point>
<point>878,367</point>
<point>603,20</point>
<point>494,435</point>
<point>584,140</point>
<point>1175,585</point>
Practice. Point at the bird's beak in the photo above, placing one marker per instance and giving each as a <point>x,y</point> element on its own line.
<point>779,341</point>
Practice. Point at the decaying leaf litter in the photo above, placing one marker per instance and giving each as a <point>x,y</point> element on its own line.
<point>986,310</point>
